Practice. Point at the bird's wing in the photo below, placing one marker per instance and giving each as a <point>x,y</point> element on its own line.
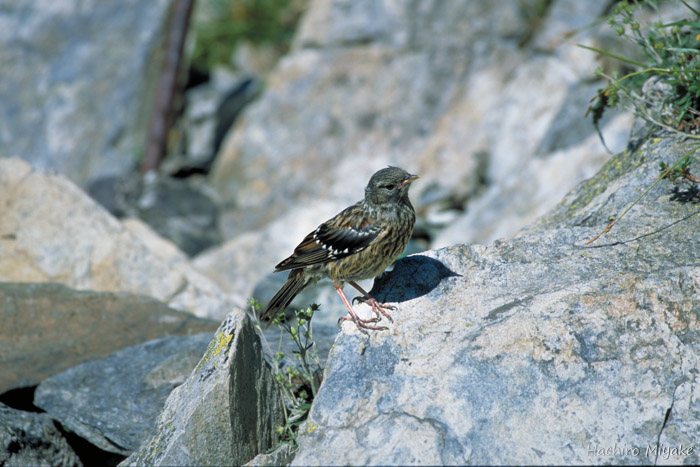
<point>349,232</point>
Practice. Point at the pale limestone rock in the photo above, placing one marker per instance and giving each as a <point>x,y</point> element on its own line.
<point>50,231</point>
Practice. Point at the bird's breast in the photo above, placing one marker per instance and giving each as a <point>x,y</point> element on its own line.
<point>371,261</point>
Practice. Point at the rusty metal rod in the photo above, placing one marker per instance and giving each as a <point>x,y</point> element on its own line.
<point>161,119</point>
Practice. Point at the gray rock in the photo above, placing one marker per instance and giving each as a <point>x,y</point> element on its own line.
<point>32,439</point>
<point>283,455</point>
<point>225,412</point>
<point>561,19</point>
<point>114,402</point>
<point>460,92</point>
<point>78,74</point>
<point>403,80</point>
<point>53,232</point>
<point>179,209</point>
<point>535,350</point>
<point>467,94</point>
<point>199,123</point>
<point>48,328</point>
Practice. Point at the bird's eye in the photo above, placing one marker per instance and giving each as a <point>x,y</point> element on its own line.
<point>390,187</point>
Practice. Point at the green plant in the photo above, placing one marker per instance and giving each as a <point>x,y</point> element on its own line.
<point>672,59</point>
<point>219,26</point>
<point>679,173</point>
<point>664,90</point>
<point>298,381</point>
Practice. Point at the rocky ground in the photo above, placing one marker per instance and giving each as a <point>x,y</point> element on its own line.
<point>125,328</point>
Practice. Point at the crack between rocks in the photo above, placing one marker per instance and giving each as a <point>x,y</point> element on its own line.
<point>125,450</point>
<point>667,417</point>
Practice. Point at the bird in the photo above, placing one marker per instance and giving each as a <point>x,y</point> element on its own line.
<point>358,243</point>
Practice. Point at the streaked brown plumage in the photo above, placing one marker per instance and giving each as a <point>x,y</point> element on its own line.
<point>358,243</point>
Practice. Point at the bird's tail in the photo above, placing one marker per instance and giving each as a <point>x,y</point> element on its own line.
<point>296,281</point>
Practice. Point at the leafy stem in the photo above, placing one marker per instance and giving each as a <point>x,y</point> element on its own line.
<point>298,380</point>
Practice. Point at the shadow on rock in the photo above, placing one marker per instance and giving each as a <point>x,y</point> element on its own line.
<point>412,277</point>
<point>691,195</point>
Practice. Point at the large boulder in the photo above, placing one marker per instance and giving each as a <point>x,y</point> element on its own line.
<point>48,328</point>
<point>114,402</point>
<point>226,410</point>
<point>78,78</point>
<point>535,350</point>
<point>484,100</point>
<point>51,231</point>
<point>466,94</point>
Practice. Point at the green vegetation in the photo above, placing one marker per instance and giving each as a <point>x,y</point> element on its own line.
<point>298,381</point>
<point>664,89</point>
<point>672,53</point>
<point>220,25</point>
<point>680,172</point>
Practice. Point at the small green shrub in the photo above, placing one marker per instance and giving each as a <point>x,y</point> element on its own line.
<point>298,381</point>
<point>672,59</point>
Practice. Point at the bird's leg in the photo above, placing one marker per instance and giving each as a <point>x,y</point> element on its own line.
<point>373,302</point>
<point>360,323</point>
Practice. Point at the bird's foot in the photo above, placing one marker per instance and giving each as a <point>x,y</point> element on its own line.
<point>363,324</point>
<point>360,320</point>
<point>377,308</point>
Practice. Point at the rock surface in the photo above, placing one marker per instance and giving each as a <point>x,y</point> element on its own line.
<point>179,209</point>
<point>283,455</point>
<point>77,81</point>
<point>48,328</point>
<point>485,100</point>
<point>537,350</point>
<point>467,94</point>
<point>530,351</point>
<point>114,402</point>
<point>225,412</point>
<point>50,231</point>
<point>32,439</point>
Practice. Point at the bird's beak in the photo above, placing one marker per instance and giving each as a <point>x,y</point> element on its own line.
<point>409,178</point>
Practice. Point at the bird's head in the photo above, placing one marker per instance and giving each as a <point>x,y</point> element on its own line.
<point>388,186</point>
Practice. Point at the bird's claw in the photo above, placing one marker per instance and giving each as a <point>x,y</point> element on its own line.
<point>376,319</point>
<point>378,308</point>
<point>362,324</point>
